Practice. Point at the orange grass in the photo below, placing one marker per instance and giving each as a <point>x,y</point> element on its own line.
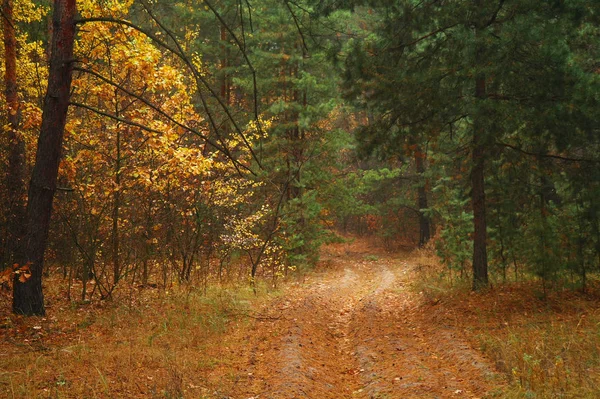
<point>143,344</point>
<point>150,343</point>
<point>546,347</point>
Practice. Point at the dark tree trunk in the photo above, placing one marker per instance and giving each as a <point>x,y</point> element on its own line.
<point>424,226</point>
<point>116,242</point>
<point>15,176</point>
<point>480,266</point>
<point>147,239</point>
<point>28,298</point>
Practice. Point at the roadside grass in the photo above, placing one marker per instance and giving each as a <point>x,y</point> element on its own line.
<point>144,344</point>
<point>180,343</point>
<point>546,346</point>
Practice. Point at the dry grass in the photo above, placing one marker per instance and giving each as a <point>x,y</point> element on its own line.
<point>147,343</point>
<point>546,347</point>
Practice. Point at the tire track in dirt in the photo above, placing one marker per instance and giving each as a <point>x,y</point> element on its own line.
<point>312,358</point>
<point>403,356</point>
<point>353,331</point>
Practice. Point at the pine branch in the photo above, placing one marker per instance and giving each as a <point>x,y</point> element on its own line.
<point>495,15</point>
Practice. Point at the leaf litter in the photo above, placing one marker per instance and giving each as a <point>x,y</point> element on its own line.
<point>350,329</point>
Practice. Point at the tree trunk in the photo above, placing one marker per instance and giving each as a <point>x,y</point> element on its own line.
<point>147,239</point>
<point>480,266</point>
<point>116,205</point>
<point>28,298</point>
<point>424,226</point>
<point>15,176</point>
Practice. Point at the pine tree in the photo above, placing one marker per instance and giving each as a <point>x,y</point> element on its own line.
<point>489,77</point>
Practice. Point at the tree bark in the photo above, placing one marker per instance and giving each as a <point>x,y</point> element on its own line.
<point>478,149</point>
<point>424,225</point>
<point>15,176</point>
<point>117,203</point>
<point>28,298</point>
<point>480,265</point>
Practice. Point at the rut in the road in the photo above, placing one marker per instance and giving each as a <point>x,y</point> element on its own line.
<point>314,358</point>
<point>355,332</point>
<point>402,358</point>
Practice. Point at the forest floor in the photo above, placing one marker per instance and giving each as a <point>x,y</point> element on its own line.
<point>356,330</point>
<point>364,324</point>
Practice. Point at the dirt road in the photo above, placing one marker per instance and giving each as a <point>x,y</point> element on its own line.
<point>355,331</point>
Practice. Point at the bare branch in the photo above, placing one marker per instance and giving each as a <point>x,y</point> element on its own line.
<point>250,66</point>
<point>287,4</point>
<point>553,156</point>
<point>250,15</point>
<point>225,151</point>
<point>433,33</point>
<point>495,15</point>
<point>200,80</point>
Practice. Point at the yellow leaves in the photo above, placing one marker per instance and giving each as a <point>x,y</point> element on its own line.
<point>67,168</point>
<point>94,211</point>
<point>257,130</point>
<point>143,176</point>
<point>95,8</point>
<point>197,61</point>
<point>28,11</point>
<point>164,159</point>
<point>191,35</point>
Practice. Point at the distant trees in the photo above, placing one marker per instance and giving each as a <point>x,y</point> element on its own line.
<point>502,83</point>
<point>207,137</point>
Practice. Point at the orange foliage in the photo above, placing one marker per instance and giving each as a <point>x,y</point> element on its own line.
<point>24,273</point>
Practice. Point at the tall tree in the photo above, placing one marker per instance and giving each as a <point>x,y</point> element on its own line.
<point>28,298</point>
<point>422,202</point>
<point>479,148</point>
<point>296,92</point>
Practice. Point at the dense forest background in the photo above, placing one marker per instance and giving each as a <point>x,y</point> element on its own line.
<point>212,140</point>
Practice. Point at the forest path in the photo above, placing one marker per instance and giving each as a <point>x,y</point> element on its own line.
<point>353,330</point>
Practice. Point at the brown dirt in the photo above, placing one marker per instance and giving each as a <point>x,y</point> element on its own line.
<point>353,329</point>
